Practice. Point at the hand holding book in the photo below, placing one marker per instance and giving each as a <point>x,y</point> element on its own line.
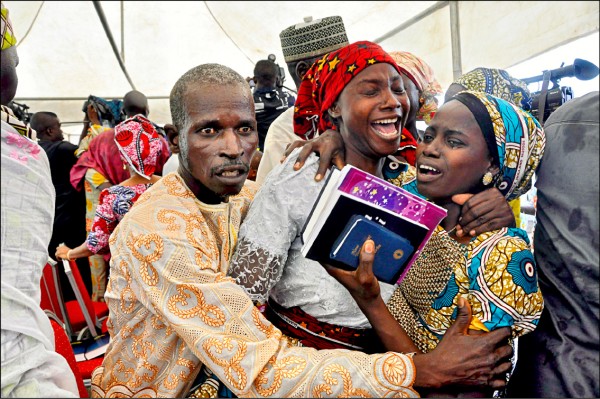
<point>364,287</point>
<point>392,249</point>
<point>361,283</point>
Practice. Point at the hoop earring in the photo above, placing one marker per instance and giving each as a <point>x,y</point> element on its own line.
<point>487,178</point>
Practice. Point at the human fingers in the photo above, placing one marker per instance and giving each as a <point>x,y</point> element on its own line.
<point>291,147</point>
<point>61,251</point>
<point>486,211</point>
<point>460,199</point>
<point>498,337</point>
<point>324,162</point>
<point>303,155</point>
<point>497,375</point>
<point>463,319</point>
<point>504,352</point>
<point>501,369</point>
<point>365,262</point>
<point>345,277</point>
<point>339,160</point>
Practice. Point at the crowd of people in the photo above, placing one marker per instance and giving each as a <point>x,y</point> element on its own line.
<point>191,233</point>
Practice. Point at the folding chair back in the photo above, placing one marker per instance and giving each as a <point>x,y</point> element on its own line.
<point>52,298</point>
<point>93,312</point>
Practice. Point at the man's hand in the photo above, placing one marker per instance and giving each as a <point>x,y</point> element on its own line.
<point>483,212</point>
<point>467,360</point>
<point>328,145</point>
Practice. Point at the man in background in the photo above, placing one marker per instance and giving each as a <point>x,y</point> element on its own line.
<point>270,100</point>
<point>302,45</point>
<point>69,210</point>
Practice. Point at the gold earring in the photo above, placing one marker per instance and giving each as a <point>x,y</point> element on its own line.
<point>124,166</point>
<point>487,178</point>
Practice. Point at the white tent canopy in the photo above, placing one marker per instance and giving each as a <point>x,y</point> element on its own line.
<point>65,53</point>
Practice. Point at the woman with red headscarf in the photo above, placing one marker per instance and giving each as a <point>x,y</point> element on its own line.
<point>139,147</point>
<point>358,91</point>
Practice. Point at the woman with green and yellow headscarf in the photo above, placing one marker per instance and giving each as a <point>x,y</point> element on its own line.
<point>498,83</point>
<point>475,141</point>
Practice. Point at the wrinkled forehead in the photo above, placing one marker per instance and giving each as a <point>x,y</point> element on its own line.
<point>209,100</point>
<point>214,92</point>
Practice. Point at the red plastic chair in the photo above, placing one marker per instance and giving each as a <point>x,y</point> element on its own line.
<point>84,314</point>
<point>52,299</point>
<point>62,346</point>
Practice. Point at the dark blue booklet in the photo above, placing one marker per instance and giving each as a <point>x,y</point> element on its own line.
<point>392,250</point>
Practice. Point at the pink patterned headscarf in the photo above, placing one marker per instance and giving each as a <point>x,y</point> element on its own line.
<point>422,75</point>
<point>139,144</point>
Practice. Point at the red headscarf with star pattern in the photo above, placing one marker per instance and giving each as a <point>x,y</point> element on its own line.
<point>326,79</point>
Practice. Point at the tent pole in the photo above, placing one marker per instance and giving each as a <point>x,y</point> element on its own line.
<point>455,37</point>
<point>122,30</point>
<point>102,17</point>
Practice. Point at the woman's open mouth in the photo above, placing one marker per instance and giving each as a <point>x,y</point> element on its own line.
<point>427,173</point>
<point>387,128</point>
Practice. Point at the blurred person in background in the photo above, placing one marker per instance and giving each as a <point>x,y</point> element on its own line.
<point>69,211</point>
<point>140,147</point>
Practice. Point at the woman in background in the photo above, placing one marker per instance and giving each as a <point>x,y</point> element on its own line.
<point>139,147</point>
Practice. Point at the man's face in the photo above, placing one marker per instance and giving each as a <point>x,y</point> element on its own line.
<point>219,139</point>
<point>55,130</point>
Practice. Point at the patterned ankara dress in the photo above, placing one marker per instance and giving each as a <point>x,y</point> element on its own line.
<point>495,272</point>
<point>113,204</point>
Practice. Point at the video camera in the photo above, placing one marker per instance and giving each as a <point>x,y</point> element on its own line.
<point>20,111</point>
<point>280,71</point>
<point>547,100</point>
<point>108,111</point>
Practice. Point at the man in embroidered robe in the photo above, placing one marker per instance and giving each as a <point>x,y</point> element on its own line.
<point>172,308</point>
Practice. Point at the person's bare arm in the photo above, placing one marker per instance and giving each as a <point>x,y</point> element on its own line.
<point>330,147</point>
<point>483,212</point>
<point>64,252</point>
<point>364,288</point>
<point>463,358</point>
